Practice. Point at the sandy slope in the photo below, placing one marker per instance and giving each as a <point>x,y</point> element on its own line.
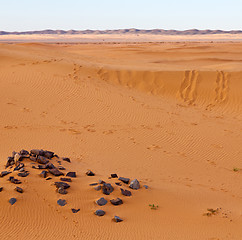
<point>167,114</point>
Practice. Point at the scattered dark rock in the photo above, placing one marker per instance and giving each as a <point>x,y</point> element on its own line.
<point>55,172</point>
<point>66,159</point>
<point>21,170</point>
<point>32,158</point>
<point>126,192</point>
<point>43,174</point>
<point>20,165</point>
<point>38,152</point>
<point>98,188</point>
<point>62,190</point>
<point>59,161</point>
<point>99,213</point>
<point>118,183</point>
<point>61,168</point>
<point>50,166</point>
<point>90,173</point>
<point>4,173</point>
<point>42,160</point>
<point>61,202</point>
<point>71,174</point>
<point>18,189</point>
<point>23,174</point>
<point>101,182</point>
<point>66,179</point>
<point>134,184</point>
<point>75,210</point>
<point>116,201</point>
<point>124,180</point>
<point>101,201</point>
<point>14,180</point>
<point>41,167</point>
<point>10,162</point>
<point>117,219</point>
<point>62,184</point>
<point>114,175</point>
<point>48,154</point>
<point>55,155</point>
<point>107,188</point>
<point>12,201</point>
<point>1,188</point>
<point>24,152</point>
<point>146,187</point>
<point>48,178</point>
<point>93,184</point>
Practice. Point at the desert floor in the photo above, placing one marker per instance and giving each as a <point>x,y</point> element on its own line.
<point>168,114</point>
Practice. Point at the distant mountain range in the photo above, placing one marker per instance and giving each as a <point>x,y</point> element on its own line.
<point>126,31</point>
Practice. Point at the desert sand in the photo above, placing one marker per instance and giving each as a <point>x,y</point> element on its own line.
<point>168,114</point>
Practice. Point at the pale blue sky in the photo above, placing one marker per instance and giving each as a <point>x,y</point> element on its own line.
<point>21,15</point>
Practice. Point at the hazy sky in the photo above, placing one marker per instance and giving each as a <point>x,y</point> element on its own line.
<point>23,15</point>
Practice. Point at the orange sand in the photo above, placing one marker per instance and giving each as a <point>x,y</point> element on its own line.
<point>167,114</point>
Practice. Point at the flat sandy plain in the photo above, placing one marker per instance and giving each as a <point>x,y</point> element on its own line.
<point>168,114</point>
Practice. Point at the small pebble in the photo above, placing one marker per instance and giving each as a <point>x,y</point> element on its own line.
<point>12,201</point>
<point>93,184</point>
<point>18,189</point>
<point>117,219</point>
<point>101,201</point>
<point>75,210</point>
<point>98,188</point>
<point>99,213</point>
<point>90,173</point>
<point>61,202</point>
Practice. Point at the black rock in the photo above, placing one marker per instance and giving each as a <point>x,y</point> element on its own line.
<point>116,201</point>
<point>117,219</point>
<point>66,159</point>
<point>114,175</point>
<point>55,155</point>
<point>126,192</point>
<point>98,188</point>
<point>124,180</point>
<point>20,165</point>
<point>12,201</point>
<point>14,180</point>
<point>55,172</point>
<point>146,187</point>
<point>107,188</point>
<point>75,210</point>
<point>42,160</point>
<point>43,174</point>
<point>48,178</point>
<point>1,188</point>
<point>93,184</point>
<point>23,174</point>
<point>62,190</point>
<point>32,158</point>
<point>118,183</point>
<point>134,184</point>
<point>10,162</point>
<point>50,166</point>
<point>18,189</point>
<point>61,168</point>
<point>48,154</point>
<point>101,201</point>
<point>66,179</point>
<point>71,174</point>
<point>61,202</point>
<point>62,184</point>
<point>99,213</point>
<point>24,152</point>
<point>4,173</point>
<point>101,182</point>
<point>38,152</point>
<point>90,173</point>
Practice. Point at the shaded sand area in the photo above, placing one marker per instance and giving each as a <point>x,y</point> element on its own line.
<point>167,114</point>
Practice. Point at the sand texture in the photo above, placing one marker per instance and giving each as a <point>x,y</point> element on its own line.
<point>167,114</point>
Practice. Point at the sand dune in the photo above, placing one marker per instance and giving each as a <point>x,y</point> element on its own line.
<point>167,114</point>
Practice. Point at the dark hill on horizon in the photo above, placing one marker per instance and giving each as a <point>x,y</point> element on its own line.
<point>126,31</point>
